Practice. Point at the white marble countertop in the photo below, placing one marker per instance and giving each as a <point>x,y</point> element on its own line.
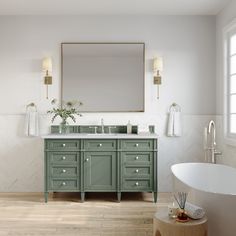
<point>100,136</point>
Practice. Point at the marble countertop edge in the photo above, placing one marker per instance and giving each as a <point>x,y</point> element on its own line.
<point>100,136</point>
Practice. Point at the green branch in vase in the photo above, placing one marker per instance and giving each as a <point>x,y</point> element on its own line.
<point>67,110</point>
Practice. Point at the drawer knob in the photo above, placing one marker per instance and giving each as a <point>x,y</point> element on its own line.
<point>136,158</point>
<point>100,145</point>
<point>136,171</point>
<point>63,145</point>
<point>137,184</point>
<point>63,158</point>
<point>136,145</point>
<point>87,159</point>
<point>64,183</point>
<point>64,171</point>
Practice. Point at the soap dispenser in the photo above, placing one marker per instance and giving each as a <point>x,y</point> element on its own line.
<point>129,128</point>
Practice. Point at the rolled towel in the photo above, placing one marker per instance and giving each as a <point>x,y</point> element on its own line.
<point>193,211</point>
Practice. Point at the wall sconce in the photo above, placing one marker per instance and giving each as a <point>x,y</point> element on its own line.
<point>157,68</point>
<point>47,69</point>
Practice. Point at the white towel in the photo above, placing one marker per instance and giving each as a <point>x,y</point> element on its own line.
<point>193,211</point>
<point>31,123</point>
<point>177,124</point>
<point>170,128</point>
<point>174,124</point>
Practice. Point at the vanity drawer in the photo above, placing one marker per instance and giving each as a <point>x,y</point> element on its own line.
<point>134,158</point>
<point>137,171</point>
<point>64,184</point>
<point>61,172</point>
<point>137,184</point>
<point>68,145</point>
<point>63,158</point>
<point>100,145</point>
<point>137,145</point>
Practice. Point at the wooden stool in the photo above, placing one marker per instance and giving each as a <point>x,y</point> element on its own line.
<point>163,225</point>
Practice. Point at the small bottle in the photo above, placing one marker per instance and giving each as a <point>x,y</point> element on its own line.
<point>129,128</point>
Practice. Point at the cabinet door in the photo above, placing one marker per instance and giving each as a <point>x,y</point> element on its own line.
<point>100,171</point>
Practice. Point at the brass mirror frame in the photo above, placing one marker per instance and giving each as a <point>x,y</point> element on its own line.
<point>142,43</point>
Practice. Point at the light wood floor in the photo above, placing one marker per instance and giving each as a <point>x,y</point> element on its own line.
<point>27,214</point>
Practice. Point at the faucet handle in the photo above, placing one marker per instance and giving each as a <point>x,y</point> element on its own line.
<point>214,154</point>
<point>217,152</point>
<point>95,128</point>
<point>111,127</point>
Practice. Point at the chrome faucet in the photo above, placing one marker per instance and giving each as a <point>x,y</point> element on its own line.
<point>212,132</point>
<point>102,126</point>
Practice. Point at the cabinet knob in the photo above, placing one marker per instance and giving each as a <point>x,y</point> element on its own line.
<point>136,145</point>
<point>137,184</point>
<point>136,158</point>
<point>63,145</point>
<point>64,171</point>
<point>63,158</point>
<point>87,159</point>
<point>64,183</point>
<point>136,171</point>
<point>100,145</point>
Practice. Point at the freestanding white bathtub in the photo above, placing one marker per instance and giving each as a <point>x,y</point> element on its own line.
<point>212,187</point>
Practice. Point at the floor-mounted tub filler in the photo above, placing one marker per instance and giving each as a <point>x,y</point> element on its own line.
<point>212,187</point>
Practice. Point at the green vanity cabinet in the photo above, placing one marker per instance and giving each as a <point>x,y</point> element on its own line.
<point>137,145</point>
<point>100,171</point>
<point>100,165</point>
<point>63,145</point>
<point>137,171</point>
<point>138,166</point>
<point>100,145</point>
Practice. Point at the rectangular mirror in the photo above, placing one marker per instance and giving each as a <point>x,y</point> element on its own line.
<point>105,77</point>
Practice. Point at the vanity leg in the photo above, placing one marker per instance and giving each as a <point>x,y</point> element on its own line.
<point>118,196</point>
<point>155,196</point>
<point>82,196</point>
<point>46,197</point>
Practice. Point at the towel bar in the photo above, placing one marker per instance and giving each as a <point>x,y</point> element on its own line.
<point>175,106</point>
<point>31,105</point>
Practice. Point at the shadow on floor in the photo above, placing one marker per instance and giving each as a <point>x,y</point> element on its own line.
<point>103,196</point>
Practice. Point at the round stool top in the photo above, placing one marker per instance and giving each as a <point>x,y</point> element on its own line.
<point>162,215</point>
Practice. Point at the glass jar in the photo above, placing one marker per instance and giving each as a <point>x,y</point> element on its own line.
<point>64,127</point>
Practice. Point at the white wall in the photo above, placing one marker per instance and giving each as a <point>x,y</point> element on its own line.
<point>187,45</point>
<point>224,18</point>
